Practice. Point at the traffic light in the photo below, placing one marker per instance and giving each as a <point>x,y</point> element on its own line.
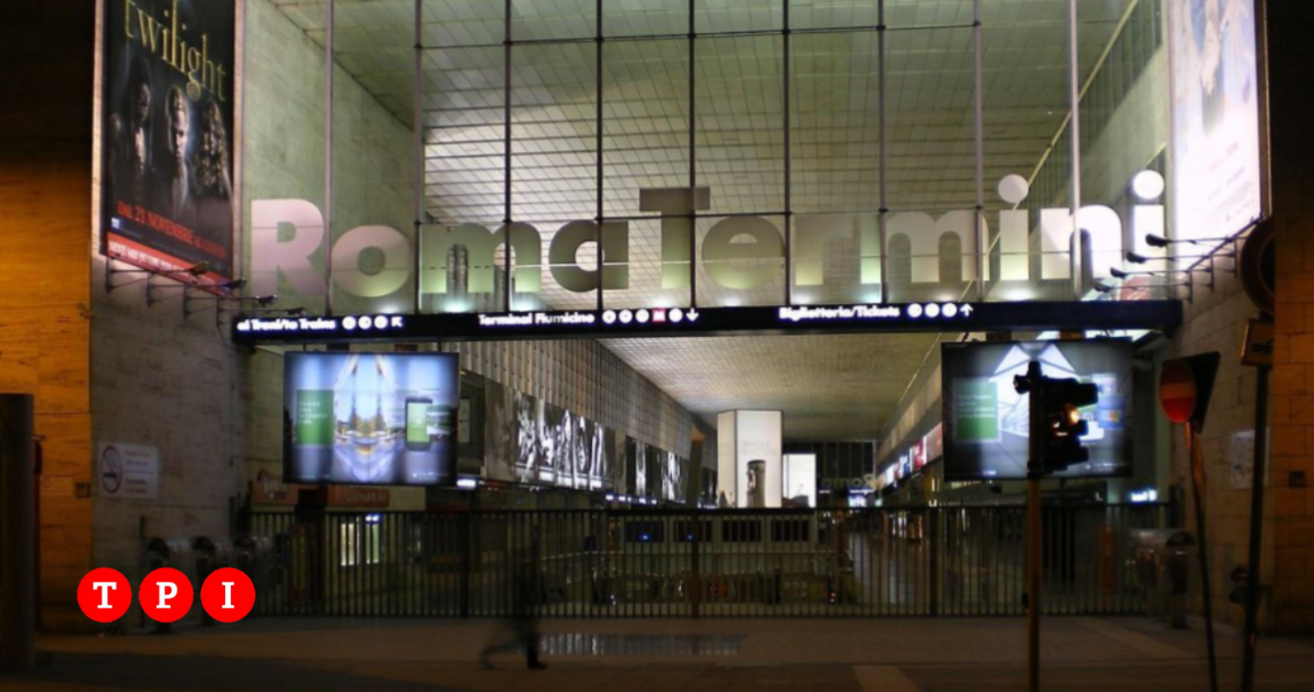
<point>1061,402</point>
<point>1056,409</point>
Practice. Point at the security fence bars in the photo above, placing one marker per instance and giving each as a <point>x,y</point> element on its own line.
<point>936,561</point>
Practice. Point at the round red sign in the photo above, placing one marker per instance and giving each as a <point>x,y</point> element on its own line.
<point>1177,390</point>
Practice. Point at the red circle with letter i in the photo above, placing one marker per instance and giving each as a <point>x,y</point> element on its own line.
<point>228,594</point>
<point>104,594</point>
<point>166,595</point>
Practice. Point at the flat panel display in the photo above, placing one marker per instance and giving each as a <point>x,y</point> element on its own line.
<point>370,418</point>
<point>986,422</point>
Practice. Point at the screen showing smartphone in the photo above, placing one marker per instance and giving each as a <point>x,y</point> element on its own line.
<point>417,422</point>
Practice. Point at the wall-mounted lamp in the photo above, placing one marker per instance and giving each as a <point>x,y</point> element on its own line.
<point>261,302</point>
<point>1154,240</point>
<point>1160,242</point>
<point>1132,257</point>
<point>195,271</point>
<point>1119,274</point>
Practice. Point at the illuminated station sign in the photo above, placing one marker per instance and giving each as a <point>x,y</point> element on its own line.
<point>657,322</point>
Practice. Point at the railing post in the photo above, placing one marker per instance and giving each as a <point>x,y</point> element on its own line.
<point>695,576</point>
<point>933,545</point>
<point>464,527</point>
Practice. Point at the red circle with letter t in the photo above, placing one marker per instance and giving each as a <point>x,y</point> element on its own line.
<point>228,594</point>
<point>104,594</point>
<point>166,595</point>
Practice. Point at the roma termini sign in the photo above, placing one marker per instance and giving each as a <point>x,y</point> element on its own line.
<point>288,243</point>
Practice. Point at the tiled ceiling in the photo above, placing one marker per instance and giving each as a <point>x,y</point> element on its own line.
<point>831,387</point>
<point>839,387</point>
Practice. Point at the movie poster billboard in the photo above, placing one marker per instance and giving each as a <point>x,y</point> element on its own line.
<point>1215,118</point>
<point>167,135</point>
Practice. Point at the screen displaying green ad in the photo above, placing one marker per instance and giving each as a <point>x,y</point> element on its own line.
<point>417,421</point>
<point>369,418</point>
<point>977,418</point>
<point>315,417</point>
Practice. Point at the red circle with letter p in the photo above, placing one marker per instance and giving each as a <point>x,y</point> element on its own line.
<point>166,595</point>
<point>228,594</point>
<point>104,594</point>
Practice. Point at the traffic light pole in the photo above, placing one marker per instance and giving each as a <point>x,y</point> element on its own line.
<point>1256,531</point>
<point>1035,467</point>
<point>1033,582</point>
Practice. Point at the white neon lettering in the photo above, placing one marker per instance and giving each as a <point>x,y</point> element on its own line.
<point>923,239</point>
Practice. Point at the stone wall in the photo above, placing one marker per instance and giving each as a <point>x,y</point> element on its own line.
<point>1290,501</point>
<point>1216,321</point>
<point>174,382</point>
<point>45,311</point>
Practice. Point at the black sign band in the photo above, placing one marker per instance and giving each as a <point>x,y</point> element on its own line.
<point>1163,315</point>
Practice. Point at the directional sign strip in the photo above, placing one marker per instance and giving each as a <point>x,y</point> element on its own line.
<point>659,322</point>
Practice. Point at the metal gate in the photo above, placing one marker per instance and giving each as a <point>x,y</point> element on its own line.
<point>950,561</point>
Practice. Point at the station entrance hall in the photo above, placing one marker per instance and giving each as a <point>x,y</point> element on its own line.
<point>880,344</point>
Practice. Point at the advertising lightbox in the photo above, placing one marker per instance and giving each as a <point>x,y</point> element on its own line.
<point>758,446</point>
<point>166,184</point>
<point>933,443</point>
<point>918,453</point>
<point>726,461</point>
<point>1215,118</point>
<point>370,418</point>
<point>986,422</point>
<point>801,479</point>
<point>751,473</point>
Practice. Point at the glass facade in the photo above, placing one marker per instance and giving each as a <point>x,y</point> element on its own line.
<point>763,152</point>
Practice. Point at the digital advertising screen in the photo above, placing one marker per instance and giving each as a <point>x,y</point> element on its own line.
<point>986,422</point>
<point>370,418</point>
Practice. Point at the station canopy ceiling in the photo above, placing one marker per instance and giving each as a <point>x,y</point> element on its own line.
<point>832,387</point>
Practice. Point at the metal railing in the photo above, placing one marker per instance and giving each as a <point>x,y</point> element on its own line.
<point>935,561</point>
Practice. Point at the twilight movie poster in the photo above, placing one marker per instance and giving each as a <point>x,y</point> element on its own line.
<point>166,134</point>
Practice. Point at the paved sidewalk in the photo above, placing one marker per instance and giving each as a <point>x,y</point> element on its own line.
<point>892,655</point>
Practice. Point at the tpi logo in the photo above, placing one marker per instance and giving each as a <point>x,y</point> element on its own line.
<point>166,595</point>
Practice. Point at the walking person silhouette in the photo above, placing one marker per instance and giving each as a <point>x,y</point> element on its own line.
<point>520,629</point>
